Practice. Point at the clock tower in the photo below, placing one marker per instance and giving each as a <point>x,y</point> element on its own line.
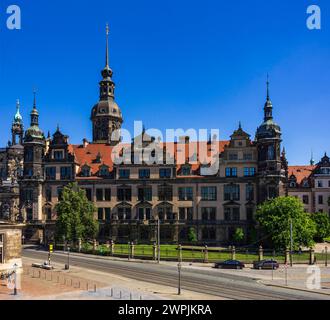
<point>106,115</point>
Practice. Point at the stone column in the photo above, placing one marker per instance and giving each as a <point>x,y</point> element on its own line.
<point>311,256</point>
<point>206,254</point>
<point>261,253</point>
<point>233,253</point>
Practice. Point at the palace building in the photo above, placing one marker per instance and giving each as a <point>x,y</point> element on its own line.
<point>131,198</point>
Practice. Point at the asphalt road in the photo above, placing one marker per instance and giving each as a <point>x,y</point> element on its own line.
<point>202,281</point>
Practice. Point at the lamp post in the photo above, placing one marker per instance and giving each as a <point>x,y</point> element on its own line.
<point>158,239</point>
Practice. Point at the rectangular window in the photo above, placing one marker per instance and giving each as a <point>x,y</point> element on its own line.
<point>190,213</point>
<point>305,199</point>
<point>58,154</point>
<point>249,214</point>
<point>320,184</point>
<point>48,194</point>
<point>29,214</point>
<point>182,213</point>
<point>66,173</point>
<point>51,173</point>
<point>124,173</point>
<point>107,194</point>
<point>249,172</point>
<point>233,156</point>
<point>107,214</point>
<point>145,194</point>
<point>232,192</point>
<point>28,195</point>
<point>185,193</point>
<point>320,199</point>
<point>209,193</point>
<point>49,213</point>
<point>231,172</point>
<point>144,173</point>
<point>227,214</point>
<point>28,155</point>
<point>59,193</point>
<point>249,192</point>
<point>236,214</point>
<point>99,195</point>
<point>88,194</point>
<point>209,214</point>
<point>165,173</point>
<point>124,194</point>
<point>165,193</point>
<point>100,214</point>
<point>247,156</point>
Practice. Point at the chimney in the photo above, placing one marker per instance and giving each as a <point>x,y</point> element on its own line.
<point>85,143</point>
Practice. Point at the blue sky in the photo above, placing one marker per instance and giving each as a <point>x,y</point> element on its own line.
<point>177,64</point>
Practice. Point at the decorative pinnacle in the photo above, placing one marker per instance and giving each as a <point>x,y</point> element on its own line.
<point>34,99</point>
<point>268,87</point>
<point>107,31</point>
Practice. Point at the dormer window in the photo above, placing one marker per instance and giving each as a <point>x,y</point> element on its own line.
<point>293,184</point>
<point>186,171</point>
<point>86,171</point>
<point>104,171</point>
<point>58,154</point>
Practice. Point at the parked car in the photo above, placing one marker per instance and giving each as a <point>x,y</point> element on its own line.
<point>266,264</point>
<point>229,264</point>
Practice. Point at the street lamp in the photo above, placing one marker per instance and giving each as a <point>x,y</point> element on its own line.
<point>158,238</point>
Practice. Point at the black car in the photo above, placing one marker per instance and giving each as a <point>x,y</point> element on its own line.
<point>229,264</point>
<point>266,264</point>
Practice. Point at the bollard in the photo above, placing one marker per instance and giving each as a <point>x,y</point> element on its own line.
<point>130,296</point>
<point>179,253</point>
<point>94,287</point>
<point>132,250</point>
<point>94,246</point>
<point>79,245</point>
<point>233,253</point>
<point>311,256</point>
<point>261,253</point>
<point>111,292</point>
<point>112,247</point>
<point>120,295</point>
<point>206,254</point>
<point>326,256</point>
<point>154,252</point>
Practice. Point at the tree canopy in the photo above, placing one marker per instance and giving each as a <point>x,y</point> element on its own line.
<point>322,222</point>
<point>275,217</point>
<point>75,215</point>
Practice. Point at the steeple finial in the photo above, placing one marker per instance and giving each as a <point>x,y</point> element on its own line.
<point>240,125</point>
<point>312,161</point>
<point>107,31</point>
<point>268,98</point>
<point>18,117</point>
<point>34,98</point>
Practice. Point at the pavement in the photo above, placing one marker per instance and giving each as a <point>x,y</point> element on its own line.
<point>199,281</point>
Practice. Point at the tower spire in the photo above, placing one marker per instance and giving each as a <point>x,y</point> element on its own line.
<point>268,98</point>
<point>107,31</point>
<point>268,109</point>
<point>18,117</point>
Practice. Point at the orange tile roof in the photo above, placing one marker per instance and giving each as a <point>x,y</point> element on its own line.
<point>88,154</point>
<point>301,172</point>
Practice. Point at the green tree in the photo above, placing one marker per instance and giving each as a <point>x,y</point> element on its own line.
<point>192,236</point>
<point>238,235</point>
<point>322,222</point>
<point>75,215</point>
<point>275,216</point>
